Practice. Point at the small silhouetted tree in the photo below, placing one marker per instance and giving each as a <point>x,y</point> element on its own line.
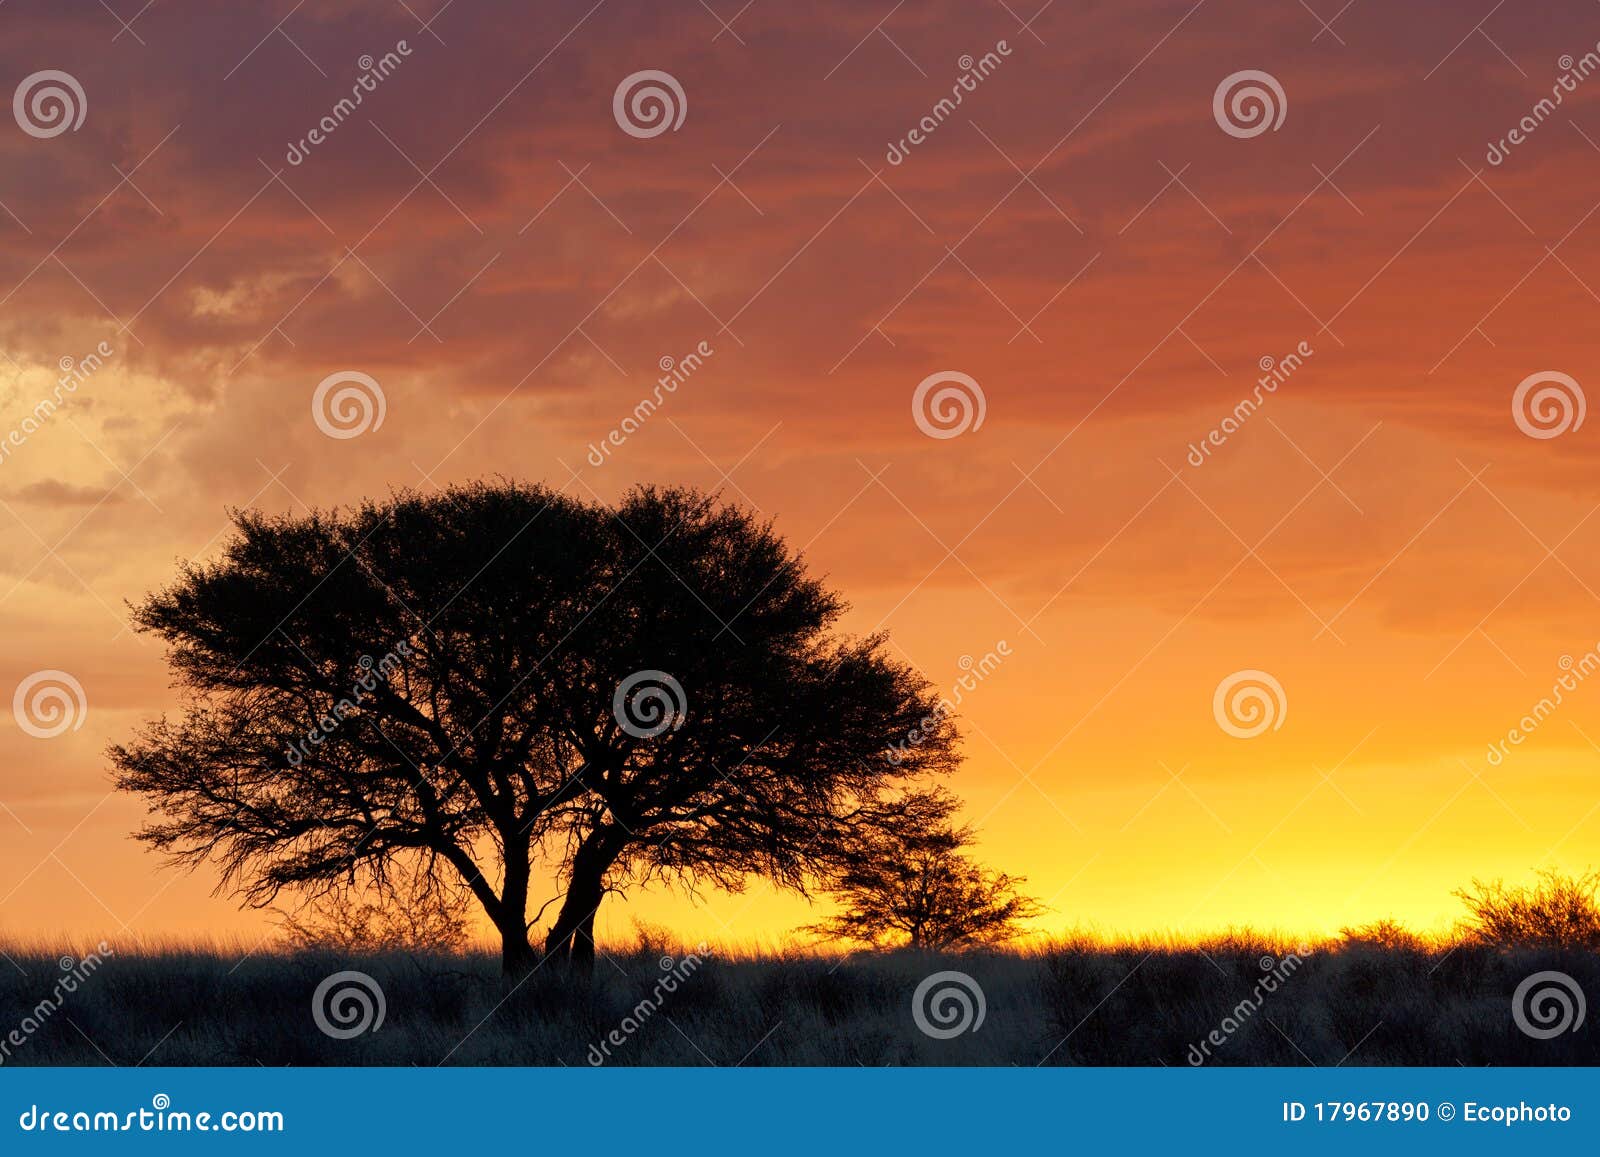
<point>912,885</point>
<point>494,677</point>
<point>1556,911</point>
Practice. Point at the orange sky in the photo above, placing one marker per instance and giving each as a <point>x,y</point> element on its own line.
<point>1080,236</point>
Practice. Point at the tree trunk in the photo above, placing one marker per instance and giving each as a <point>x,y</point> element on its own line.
<point>571,938</point>
<point>517,957</point>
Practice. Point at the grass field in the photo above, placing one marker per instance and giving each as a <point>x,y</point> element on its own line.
<point>1231,1001</point>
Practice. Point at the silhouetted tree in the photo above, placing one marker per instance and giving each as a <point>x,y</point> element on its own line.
<point>492,673</point>
<point>778,748</point>
<point>1555,912</point>
<point>911,884</point>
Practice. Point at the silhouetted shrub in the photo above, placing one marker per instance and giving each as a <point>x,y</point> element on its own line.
<point>1387,934</point>
<point>1555,912</point>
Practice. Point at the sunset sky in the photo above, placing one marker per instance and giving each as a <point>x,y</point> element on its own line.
<point>1081,237</point>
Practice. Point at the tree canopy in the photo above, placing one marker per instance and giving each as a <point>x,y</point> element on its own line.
<point>497,678</point>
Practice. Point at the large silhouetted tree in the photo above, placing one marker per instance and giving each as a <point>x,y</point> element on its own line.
<point>494,676</point>
<point>777,750</point>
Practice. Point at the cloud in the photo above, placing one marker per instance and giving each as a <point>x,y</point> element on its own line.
<point>1079,236</point>
<point>53,492</point>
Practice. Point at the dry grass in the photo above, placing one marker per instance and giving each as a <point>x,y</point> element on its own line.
<point>1071,1002</point>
